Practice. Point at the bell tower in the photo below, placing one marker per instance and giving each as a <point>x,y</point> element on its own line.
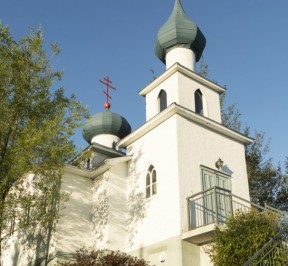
<point>179,45</point>
<point>182,151</point>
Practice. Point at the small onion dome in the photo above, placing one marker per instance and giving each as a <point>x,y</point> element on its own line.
<point>105,123</point>
<point>179,31</point>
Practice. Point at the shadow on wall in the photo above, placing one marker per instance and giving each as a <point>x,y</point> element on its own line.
<point>74,227</point>
<point>227,170</point>
<point>29,246</point>
<point>136,197</point>
<point>16,255</point>
<point>33,211</point>
<point>100,212</point>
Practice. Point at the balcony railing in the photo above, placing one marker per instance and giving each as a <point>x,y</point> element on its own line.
<point>215,205</point>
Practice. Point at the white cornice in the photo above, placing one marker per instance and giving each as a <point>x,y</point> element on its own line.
<point>185,71</point>
<point>198,119</point>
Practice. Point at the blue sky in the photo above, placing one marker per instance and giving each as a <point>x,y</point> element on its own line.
<point>246,50</point>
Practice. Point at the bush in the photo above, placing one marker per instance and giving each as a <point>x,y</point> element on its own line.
<point>243,236</point>
<point>90,257</point>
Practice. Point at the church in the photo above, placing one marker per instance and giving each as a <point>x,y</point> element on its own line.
<point>157,192</point>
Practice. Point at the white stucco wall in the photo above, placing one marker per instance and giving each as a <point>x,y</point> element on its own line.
<point>180,89</point>
<point>183,56</point>
<point>170,86</point>
<point>200,146</point>
<point>118,207</point>
<point>211,99</point>
<point>177,149</point>
<point>110,209</point>
<point>75,224</point>
<point>161,213</point>
<point>105,139</point>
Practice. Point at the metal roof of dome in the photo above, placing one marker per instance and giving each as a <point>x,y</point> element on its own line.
<point>105,123</point>
<point>179,31</point>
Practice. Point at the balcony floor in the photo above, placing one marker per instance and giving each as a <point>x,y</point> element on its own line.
<point>201,235</point>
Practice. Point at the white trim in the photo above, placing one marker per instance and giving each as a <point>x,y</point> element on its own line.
<point>185,71</point>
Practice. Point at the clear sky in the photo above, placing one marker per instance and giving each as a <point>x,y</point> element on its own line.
<point>247,42</point>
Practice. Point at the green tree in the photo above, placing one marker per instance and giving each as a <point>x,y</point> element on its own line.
<point>244,235</point>
<point>36,123</point>
<point>85,257</point>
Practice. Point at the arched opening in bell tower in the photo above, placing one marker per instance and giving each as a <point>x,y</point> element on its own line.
<point>198,102</point>
<point>162,100</point>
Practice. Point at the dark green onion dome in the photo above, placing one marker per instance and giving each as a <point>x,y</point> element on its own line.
<point>105,123</point>
<point>179,31</point>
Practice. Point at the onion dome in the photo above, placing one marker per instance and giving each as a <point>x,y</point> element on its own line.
<point>179,31</point>
<point>105,123</point>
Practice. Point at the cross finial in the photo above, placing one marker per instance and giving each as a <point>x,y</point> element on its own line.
<point>106,81</point>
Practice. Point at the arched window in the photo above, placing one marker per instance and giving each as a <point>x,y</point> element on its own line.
<point>162,100</point>
<point>198,102</point>
<point>151,182</point>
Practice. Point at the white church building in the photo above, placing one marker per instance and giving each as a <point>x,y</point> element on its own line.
<point>157,192</point>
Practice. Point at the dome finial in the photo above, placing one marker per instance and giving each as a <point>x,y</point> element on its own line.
<point>108,83</point>
<point>178,7</point>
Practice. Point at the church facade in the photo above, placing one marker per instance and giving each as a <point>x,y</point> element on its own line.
<point>157,192</point>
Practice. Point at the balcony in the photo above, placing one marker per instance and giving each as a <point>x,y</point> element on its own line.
<point>209,208</point>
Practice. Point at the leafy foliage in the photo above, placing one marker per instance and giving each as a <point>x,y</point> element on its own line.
<point>203,70</point>
<point>36,123</point>
<point>243,236</point>
<point>230,115</point>
<point>92,257</point>
<point>268,183</point>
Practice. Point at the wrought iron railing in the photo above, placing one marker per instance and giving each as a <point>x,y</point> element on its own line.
<point>215,205</point>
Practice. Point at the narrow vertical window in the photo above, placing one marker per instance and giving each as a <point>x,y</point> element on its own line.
<point>151,182</point>
<point>88,164</point>
<point>198,102</point>
<point>162,100</point>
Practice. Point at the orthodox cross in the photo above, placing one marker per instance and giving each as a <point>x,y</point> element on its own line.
<point>107,82</point>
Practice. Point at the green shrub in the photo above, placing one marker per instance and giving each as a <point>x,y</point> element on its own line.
<point>244,235</point>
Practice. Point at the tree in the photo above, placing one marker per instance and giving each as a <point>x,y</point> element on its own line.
<point>36,122</point>
<point>85,257</point>
<point>244,235</point>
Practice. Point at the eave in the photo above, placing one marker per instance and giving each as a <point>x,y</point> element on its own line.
<point>100,169</point>
<point>174,109</point>
<point>185,71</point>
<point>97,148</point>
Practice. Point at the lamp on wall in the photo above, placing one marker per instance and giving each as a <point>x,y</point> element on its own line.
<point>219,164</point>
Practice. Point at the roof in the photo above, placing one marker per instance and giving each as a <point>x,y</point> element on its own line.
<point>179,31</point>
<point>105,123</point>
<point>100,169</point>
